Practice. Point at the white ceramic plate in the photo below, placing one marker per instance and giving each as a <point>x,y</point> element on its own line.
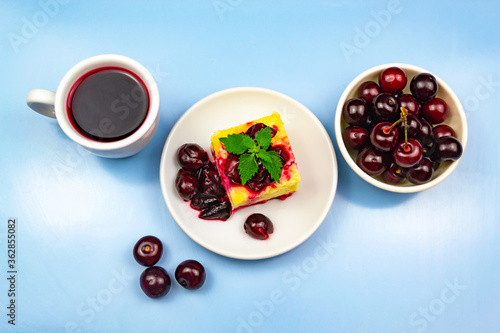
<point>296,218</point>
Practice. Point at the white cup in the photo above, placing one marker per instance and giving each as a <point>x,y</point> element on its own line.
<point>54,105</point>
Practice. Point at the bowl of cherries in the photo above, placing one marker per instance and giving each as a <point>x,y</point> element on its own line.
<point>400,128</point>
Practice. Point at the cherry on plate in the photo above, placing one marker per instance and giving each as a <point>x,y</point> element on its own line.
<point>191,156</point>
<point>252,130</point>
<point>186,185</point>
<point>258,226</point>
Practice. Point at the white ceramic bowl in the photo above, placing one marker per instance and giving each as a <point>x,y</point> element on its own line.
<point>456,120</point>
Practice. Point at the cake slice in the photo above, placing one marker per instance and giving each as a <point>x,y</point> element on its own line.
<point>265,184</point>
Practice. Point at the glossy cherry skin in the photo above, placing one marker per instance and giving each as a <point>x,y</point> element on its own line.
<point>372,161</point>
<point>413,127</point>
<point>209,180</point>
<point>155,282</point>
<point>392,80</point>
<point>252,130</point>
<point>281,150</point>
<point>148,250</point>
<point>260,180</point>
<point>202,201</point>
<point>355,137</point>
<point>448,148</point>
<point>191,156</point>
<point>386,107</point>
<point>381,140</point>
<point>407,155</point>
<point>410,103</point>
<point>231,169</point>
<point>424,87</point>
<point>186,184</point>
<point>429,147</point>
<point>258,226</point>
<point>221,210</point>
<point>443,130</point>
<point>435,111</point>
<point>355,111</point>
<point>394,174</point>
<point>425,130</point>
<point>368,90</point>
<point>190,274</point>
<point>421,173</point>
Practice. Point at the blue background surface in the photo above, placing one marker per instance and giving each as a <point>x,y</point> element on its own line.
<point>380,262</point>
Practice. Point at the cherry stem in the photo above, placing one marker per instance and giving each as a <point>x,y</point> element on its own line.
<point>404,114</point>
<point>387,130</point>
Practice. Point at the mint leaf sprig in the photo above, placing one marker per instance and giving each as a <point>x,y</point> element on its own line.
<point>250,151</point>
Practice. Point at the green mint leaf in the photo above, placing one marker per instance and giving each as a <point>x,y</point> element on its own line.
<point>237,143</point>
<point>248,167</point>
<point>272,162</point>
<point>263,137</point>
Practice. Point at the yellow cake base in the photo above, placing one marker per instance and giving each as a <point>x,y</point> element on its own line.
<point>240,195</point>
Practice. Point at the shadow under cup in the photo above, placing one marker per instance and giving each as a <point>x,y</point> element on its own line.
<point>107,104</point>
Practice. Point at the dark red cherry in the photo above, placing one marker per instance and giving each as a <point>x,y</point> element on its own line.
<point>258,226</point>
<point>231,169</point>
<point>281,150</point>
<point>425,130</point>
<point>392,79</point>
<point>407,155</point>
<point>448,148</point>
<point>252,130</point>
<point>410,103</point>
<point>383,137</point>
<point>186,184</point>
<point>413,127</point>
<point>421,173</point>
<point>202,201</point>
<point>190,274</point>
<point>148,250</point>
<point>443,130</point>
<point>386,107</point>
<point>424,86</point>
<point>355,137</point>
<point>191,156</point>
<point>209,180</point>
<point>355,111</point>
<point>394,174</point>
<point>218,211</point>
<point>372,161</point>
<point>260,180</point>
<point>429,148</point>
<point>368,90</point>
<point>435,111</point>
<point>155,282</point>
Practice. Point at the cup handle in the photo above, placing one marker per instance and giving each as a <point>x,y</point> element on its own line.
<point>42,101</point>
